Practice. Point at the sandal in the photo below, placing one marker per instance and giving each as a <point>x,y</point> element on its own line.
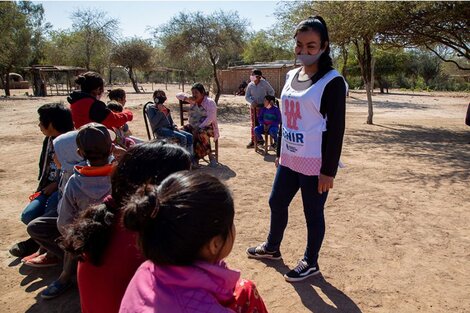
<point>55,289</point>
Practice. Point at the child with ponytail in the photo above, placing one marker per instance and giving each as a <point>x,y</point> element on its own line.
<point>185,230</point>
<point>108,251</point>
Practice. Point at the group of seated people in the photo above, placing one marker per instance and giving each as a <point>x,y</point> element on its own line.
<point>202,122</point>
<point>137,228</point>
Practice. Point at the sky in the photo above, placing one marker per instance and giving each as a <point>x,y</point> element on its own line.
<point>136,16</point>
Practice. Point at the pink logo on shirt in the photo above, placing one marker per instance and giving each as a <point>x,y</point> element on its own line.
<point>292,112</point>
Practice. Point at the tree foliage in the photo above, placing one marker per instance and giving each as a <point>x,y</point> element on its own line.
<point>96,32</point>
<point>262,47</point>
<point>133,54</point>
<point>431,24</point>
<point>15,38</point>
<point>215,37</point>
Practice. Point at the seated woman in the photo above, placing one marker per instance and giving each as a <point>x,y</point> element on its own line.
<point>202,121</point>
<point>162,124</point>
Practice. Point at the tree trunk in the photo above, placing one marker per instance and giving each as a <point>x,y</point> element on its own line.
<point>365,59</point>
<point>344,53</point>
<point>372,75</point>
<point>2,80</point>
<point>217,83</point>
<point>133,80</point>
<point>7,84</point>
<point>370,109</point>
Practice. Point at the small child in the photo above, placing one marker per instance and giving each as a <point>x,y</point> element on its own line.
<point>162,124</point>
<point>123,133</point>
<point>185,231</point>
<point>269,118</point>
<point>54,119</point>
<point>88,185</point>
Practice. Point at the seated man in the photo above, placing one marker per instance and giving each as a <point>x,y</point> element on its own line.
<point>162,124</point>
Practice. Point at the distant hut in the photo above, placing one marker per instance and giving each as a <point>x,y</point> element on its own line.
<point>274,72</point>
<point>50,80</point>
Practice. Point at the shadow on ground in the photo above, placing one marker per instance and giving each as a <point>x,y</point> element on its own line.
<point>437,147</point>
<point>338,302</point>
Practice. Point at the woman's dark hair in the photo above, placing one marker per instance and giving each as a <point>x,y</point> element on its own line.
<point>145,163</point>
<point>318,24</point>
<point>89,81</point>
<point>116,94</point>
<point>56,114</point>
<point>273,99</point>
<point>115,107</point>
<point>200,87</point>
<point>179,217</point>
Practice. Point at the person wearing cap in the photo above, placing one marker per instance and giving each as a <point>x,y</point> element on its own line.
<point>88,185</point>
<point>256,90</point>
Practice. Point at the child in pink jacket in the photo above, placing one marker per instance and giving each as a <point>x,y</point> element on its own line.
<point>185,231</point>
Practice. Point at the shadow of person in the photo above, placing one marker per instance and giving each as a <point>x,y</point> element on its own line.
<point>221,171</point>
<point>328,300</point>
<point>40,276</point>
<point>68,302</point>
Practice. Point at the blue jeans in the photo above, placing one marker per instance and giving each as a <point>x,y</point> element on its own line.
<point>185,138</point>
<point>285,186</point>
<point>41,206</point>
<point>273,130</point>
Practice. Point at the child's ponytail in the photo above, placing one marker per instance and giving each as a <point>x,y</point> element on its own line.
<point>141,208</point>
<point>90,232</point>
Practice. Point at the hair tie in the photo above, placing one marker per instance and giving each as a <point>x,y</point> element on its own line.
<point>153,200</point>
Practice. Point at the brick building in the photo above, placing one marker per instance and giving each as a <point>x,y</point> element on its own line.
<point>274,72</point>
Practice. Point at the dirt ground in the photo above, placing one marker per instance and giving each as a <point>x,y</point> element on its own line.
<point>397,237</point>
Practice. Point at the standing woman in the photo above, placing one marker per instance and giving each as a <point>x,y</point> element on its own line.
<point>86,105</point>
<point>202,122</point>
<point>313,122</point>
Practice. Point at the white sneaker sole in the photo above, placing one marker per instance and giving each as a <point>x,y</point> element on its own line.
<point>296,279</point>
<point>260,256</point>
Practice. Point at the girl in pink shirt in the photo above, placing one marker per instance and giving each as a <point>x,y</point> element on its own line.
<point>185,231</point>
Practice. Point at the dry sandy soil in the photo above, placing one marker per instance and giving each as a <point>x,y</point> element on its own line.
<point>398,234</point>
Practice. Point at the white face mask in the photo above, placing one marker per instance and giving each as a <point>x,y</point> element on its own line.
<point>308,59</point>
<point>252,78</point>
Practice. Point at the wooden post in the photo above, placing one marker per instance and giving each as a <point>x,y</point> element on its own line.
<point>182,79</point>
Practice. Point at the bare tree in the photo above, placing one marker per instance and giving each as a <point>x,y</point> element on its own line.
<point>216,35</point>
<point>95,29</point>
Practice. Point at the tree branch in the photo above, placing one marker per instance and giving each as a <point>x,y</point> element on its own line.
<point>449,61</point>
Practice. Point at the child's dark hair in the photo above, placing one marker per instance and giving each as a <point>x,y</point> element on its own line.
<point>200,87</point>
<point>89,81</point>
<point>115,107</point>
<point>116,94</point>
<point>272,99</point>
<point>56,114</point>
<point>158,92</point>
<point>318,24</point>
<point>149,162</point>
<point>179,217</point>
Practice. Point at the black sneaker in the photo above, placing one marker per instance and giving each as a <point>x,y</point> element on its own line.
<point>260,252</point>
<point>250,145</point>
<point>24,248</point>
<point>260,142</point>
<point>302,271</point>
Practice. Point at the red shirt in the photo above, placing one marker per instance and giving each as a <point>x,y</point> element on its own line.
<point>86,109</point>
<point>102,287</point>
